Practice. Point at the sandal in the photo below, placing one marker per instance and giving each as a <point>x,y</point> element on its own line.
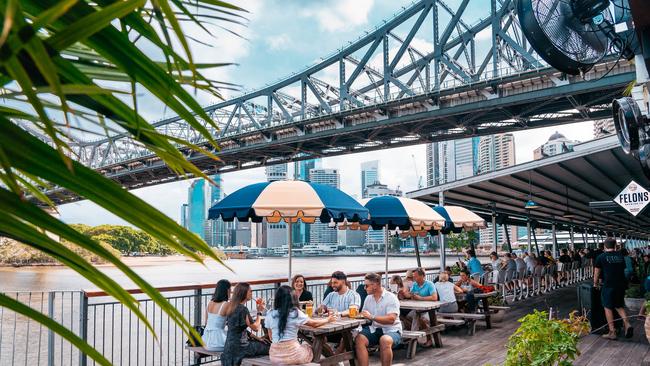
<point>610,335</point>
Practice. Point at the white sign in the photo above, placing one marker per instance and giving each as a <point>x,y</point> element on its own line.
<point>633,198</point>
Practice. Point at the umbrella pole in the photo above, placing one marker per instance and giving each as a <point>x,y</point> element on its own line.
<point>289,240</point>
<point>386,254</point>
<point>417,251</point>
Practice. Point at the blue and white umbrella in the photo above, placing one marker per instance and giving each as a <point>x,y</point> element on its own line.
<point>291,201</point>
<point>411,217</point>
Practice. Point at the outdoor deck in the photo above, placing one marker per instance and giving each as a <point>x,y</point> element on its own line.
<point>488,346</point>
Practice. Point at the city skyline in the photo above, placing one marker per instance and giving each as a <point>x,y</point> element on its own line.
<point>397,162</point>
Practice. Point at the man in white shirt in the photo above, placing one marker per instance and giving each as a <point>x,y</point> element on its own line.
<point>342,296</point>
<point>382,307</point>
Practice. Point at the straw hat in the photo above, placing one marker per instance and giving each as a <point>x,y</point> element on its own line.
<point>409,273</point>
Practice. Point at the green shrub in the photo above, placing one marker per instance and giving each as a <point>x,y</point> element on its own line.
<point>634,292</point>
<point>541,341</point>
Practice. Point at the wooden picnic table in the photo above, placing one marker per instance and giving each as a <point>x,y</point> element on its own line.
<point>318,339</point>
<point>486,306</point>
<point>421,307</point>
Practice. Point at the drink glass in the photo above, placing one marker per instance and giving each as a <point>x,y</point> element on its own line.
<point>352,310</point>
<point>309,310</point>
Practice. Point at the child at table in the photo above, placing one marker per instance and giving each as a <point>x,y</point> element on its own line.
<point>283,323</point>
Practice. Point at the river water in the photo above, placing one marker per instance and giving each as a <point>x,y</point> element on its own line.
<point>179,271</point>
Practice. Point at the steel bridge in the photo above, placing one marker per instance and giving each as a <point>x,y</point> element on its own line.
<point>436,71</point>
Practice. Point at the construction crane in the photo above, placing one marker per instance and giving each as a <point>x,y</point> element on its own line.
<point>419,177</point>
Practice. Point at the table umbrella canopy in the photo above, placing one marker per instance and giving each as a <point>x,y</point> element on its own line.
<point>458,219</point>
<point>405,214</point>
<point>290,201</point>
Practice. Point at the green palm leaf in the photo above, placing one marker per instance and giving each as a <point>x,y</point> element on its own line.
<point>54,56</point>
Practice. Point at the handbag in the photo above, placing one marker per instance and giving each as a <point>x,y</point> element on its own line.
<point>192,341</point>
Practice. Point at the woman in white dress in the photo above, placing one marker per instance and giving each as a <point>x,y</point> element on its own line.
<point>214,334</point>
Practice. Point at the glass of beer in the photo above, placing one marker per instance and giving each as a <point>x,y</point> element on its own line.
<point>352,310</point>
<point>309,310</point>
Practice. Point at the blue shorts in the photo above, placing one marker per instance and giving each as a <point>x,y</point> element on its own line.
<point>373,338</point>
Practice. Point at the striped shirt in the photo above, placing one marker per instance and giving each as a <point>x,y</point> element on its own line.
<point>342,302</point>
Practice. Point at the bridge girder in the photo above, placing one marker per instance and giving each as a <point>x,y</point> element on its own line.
<point>433,72</point>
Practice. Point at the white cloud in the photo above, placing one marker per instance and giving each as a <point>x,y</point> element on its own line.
<point>340,15</point>
<point>278,42</point>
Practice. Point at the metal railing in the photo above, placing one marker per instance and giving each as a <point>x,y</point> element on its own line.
<point>115,331</point>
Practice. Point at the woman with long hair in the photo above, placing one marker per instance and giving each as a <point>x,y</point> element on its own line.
<point>214,334</point>
<point>299,284</point>
<point>238,319</point>
<point>283,323</point>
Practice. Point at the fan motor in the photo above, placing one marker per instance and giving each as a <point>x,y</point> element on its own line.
<point>587,10</point>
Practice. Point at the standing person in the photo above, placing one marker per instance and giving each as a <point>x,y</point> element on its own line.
<point>612,267</point>
<point>299,284</point>
<point>214,334</point>
<point>382,308</point>
<point>496,266</point>
<point>629,268</point>
<point>238,319</point>
<point>283,323</point>
<point>565,259</point>
<point>473,264</point>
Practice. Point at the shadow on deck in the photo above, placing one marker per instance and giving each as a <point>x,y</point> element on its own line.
<point>488,346</point>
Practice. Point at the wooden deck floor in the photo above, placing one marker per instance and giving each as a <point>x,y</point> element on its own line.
<point>488,346</point>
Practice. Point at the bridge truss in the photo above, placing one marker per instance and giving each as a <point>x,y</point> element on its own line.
<point>434,72</point>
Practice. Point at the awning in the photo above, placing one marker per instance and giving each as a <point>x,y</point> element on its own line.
<point>562,185</point>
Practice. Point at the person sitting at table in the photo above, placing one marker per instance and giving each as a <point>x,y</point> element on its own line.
<point>495,262</point>
<point>340,299</point>
<point>214,334</point>
<point>398,287</point>
<point>422,289</point>
<point>473,264</point>
<point>239,344</point>
<point>467,285</point>
<point>382,308</point>
<point>408,279</point>
<point>283,323</point>
<point>447,293</point>
<point>299,284</point>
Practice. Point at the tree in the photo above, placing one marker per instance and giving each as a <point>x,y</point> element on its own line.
<point>57,59</point>
<point>460,241</point>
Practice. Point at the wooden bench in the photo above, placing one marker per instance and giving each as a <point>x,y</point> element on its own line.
<point>451,322</point>
<point>202,352</point>
<point>266,361</point>
<point>469,318</point>
<point>410,339</point>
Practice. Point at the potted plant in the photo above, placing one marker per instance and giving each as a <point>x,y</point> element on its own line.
<point>541,340</point>
<point>634,298</point>
<point>497,309</point>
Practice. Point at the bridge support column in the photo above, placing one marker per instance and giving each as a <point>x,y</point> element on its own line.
<point>443,254</point>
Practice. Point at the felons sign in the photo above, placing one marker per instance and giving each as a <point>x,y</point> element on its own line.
<point>633,198</point>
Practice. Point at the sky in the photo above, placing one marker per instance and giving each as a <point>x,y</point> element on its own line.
<point>279,38</point>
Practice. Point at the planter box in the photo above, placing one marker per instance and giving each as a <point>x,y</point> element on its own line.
<point>634,305</point>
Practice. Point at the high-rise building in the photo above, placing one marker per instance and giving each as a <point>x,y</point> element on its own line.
<point>377,189</point>
<point>301,170</point>
<point>448,161</point>
<point>556,144</point>
<point>321,233</point>
<point>276,172</point>
<point>496,152</point>
<point>604,128</point>
<point>197,207</point>
<point>369,174</point>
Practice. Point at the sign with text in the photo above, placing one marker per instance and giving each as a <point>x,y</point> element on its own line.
<point>633,198</point>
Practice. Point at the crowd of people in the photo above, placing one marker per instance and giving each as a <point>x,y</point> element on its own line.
<point>231,329</point>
